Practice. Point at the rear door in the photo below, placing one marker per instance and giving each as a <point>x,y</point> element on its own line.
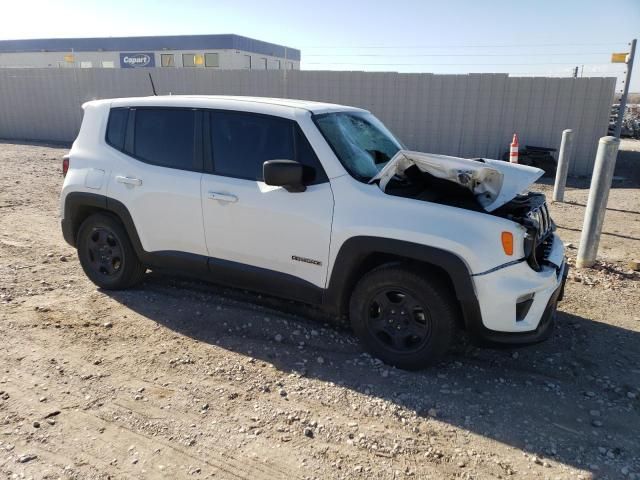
<point>156,174</point>
<point>250,224</point>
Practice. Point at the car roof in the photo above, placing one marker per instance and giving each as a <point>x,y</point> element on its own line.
<point>278,106</point>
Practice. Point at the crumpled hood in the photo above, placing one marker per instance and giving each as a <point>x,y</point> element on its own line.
<point>493,182</point>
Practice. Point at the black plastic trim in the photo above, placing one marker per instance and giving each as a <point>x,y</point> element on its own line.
<point>355,251</point>
<point>129,134</point>
<point>206,143</point>
<point>249,277</point>
<point>198,147</point>
<point>522,308</point>
<point>75,204</point>
<point>499,267</point>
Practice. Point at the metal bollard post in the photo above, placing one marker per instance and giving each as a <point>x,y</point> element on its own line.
<point>563,165</point>
<point>597,203</point>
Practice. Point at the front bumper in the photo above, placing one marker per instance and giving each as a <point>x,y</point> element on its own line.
<point>499,292</point>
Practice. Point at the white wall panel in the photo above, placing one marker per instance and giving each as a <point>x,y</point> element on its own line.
<point>471,115</point>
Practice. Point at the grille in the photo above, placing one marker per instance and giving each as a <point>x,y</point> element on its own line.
<point>543,239</point>
<point>540,215</point>
<point>547,246</point>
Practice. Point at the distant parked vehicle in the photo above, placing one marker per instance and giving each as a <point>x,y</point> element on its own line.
<point>318,203</point>
<point>630,127</point>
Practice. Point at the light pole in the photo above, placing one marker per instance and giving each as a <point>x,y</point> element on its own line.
<point>625,92</point>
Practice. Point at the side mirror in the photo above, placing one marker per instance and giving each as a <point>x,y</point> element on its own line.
<point>284,173</point>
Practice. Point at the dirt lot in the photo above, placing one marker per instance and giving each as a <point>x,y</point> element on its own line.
<point>179,379</point>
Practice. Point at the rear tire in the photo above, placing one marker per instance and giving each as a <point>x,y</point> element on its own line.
<point>403,317</point>
<point>106,254</point>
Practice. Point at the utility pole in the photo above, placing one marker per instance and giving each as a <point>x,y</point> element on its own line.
<point>625,93</point>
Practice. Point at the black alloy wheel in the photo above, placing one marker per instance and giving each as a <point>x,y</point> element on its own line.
<point>105,252</point>
<point>399,321</point>
<point>404,315</point>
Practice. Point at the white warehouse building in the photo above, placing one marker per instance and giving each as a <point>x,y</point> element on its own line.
<point>222,52</point>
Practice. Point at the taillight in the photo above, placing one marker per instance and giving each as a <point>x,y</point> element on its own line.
<point>65,165</point>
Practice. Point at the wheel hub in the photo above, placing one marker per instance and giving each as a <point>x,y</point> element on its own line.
<point>398,320</point>
<point>105,252</point>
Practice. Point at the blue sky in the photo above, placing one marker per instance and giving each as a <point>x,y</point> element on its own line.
<point>454,36</point>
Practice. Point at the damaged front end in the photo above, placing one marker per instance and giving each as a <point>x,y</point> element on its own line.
<point>488,186</point>
<point>491,183</point>
<point>530,210</point>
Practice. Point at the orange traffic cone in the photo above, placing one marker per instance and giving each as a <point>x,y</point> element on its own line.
<point>513,150</point>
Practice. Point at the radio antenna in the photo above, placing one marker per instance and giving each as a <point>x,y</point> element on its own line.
<point>153,87</point>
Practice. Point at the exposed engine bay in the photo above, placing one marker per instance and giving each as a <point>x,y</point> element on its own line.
<point>486,186</point>
<point>492,183</point>
<point>429,188</point>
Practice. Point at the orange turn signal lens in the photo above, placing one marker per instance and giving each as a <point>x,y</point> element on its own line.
<point>507,242</point>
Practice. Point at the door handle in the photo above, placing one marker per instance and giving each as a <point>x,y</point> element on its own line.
<point>129,180</point>
<point>223,197</point>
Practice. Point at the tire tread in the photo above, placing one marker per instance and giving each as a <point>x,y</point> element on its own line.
<point>440,298</point>
<point>134,270</point>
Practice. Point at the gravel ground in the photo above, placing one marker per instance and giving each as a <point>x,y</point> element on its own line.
<point>180,379</point>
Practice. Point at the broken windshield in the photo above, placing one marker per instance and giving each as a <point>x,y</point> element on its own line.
<point>360,141</point>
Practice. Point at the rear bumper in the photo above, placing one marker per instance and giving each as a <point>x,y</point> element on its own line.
<point>500,292</point>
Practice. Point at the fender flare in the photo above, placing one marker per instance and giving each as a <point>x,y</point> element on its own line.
<point>76,205</point>
<point>354,252</point>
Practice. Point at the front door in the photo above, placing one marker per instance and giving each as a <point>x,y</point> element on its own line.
<point>267,232</point>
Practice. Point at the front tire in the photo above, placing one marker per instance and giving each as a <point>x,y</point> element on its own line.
<point>403,317</point>
<point>106,254</point>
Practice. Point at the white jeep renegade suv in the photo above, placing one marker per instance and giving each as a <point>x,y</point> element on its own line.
<point>318,203</point>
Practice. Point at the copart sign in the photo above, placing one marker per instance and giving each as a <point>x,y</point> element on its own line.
<point>137,60</point>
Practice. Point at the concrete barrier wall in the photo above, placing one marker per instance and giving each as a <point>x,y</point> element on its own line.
<point>471,115</point>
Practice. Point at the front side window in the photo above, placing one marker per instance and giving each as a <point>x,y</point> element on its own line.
<point>242,142</point>
<point>165,137</point>
<point>360,141</point>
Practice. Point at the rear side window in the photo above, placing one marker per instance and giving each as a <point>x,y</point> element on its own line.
<point>165,137</point>
<point>117,127</point>
<point>242,142</point>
